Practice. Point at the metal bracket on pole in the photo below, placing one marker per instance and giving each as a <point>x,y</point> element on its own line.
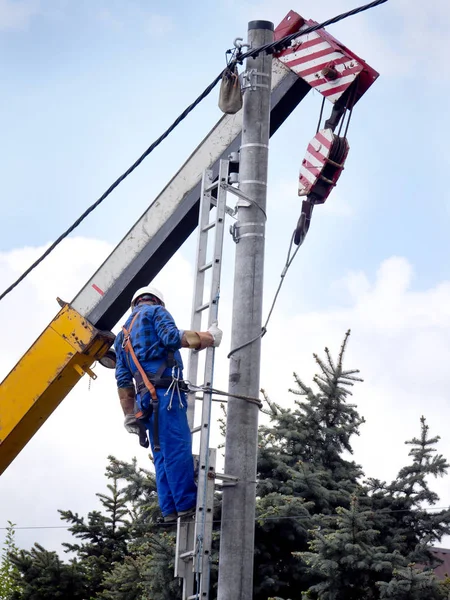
<point>227,479</point>
<point>250,80</point>
<point>234,230</point>
<point>248,201</point>
<point>230,211</point>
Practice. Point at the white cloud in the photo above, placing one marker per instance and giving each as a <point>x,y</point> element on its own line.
<point>400,342</point>
<point>16,15</point>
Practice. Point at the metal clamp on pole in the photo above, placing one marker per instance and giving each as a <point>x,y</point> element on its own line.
<point>253,79</point>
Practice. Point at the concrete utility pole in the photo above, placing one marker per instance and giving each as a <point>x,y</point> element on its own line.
<point>238,512</point>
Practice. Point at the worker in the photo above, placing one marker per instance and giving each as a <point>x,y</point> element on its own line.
<point>147,352</point>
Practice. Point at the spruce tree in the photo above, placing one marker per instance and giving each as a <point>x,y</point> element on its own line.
<point>348,557</point>
<point>323,530</point>
<point>302,473</point>
<point>148,570</point>
<point>409,583</point>
<point>43,576</point>
<point>8,571</point>
<point>104,535</point>
<point>402,505</point>
<point>138,487</point>
<point>301,465</point>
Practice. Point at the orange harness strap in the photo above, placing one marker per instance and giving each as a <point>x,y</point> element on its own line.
<point>129,348</point>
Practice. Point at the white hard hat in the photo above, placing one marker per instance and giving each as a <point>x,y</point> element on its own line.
<point>147,290</point>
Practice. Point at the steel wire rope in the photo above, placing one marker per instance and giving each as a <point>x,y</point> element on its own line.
<point>268,48</point>
<point>289,259</point>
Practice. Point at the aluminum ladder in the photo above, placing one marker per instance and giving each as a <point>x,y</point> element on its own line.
<point>194,538</point>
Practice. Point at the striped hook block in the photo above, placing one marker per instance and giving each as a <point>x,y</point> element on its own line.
<point>322,165</point>
<point>322,61</point>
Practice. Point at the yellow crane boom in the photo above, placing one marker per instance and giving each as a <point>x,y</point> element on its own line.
<point>45,374</point>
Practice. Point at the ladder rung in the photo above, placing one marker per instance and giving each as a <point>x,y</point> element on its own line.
<point>209,226</point>
<point>196,429</point>
<point>187,555</point>
<point>211,186</point>
<point>202,307</point>
<point>205,267</point>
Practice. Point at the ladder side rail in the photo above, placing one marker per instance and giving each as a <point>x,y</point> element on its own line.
<point>199,285</point>
<point>202,536</point>
<point>208,516</point>
<point>183,565</point>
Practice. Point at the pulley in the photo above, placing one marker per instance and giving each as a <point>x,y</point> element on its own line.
<point>322,165</point>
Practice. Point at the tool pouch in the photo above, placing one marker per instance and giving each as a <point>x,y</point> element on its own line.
<point>142,409</point>
<point>230,96</point>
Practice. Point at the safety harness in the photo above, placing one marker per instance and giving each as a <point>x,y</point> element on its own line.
<point>149,382</point>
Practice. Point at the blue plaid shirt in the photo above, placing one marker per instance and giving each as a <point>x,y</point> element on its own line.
<point>154,333</point>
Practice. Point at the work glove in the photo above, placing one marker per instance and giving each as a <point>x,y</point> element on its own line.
<point>199,340</point>
<point>131,424</point>
<point>127,397</point>
<point>216,334</point>
<point>209,338</point>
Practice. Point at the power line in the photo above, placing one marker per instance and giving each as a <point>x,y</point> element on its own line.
<point>284,42</point>
<point>113,186</point>
<point>38,527</point>
<point>264,519</point>
<point>268,48</point>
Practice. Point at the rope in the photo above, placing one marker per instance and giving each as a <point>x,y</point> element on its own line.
<point>211,390</point>
<point>350,108</point>
<point>263,331</point>
<point>321,114</point>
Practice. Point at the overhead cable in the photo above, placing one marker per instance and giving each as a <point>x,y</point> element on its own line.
<point>379,511</point>
<point>284,42</point>
<point>267,48</point>
<point>113,186</point>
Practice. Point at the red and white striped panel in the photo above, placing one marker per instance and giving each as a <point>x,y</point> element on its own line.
<point>315,161</point>
<point>312,54</point>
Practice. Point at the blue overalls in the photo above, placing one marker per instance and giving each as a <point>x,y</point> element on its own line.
<point>154,335</point>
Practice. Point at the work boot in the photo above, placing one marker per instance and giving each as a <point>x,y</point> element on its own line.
<point>187,514</point>
<point>172,518</point>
